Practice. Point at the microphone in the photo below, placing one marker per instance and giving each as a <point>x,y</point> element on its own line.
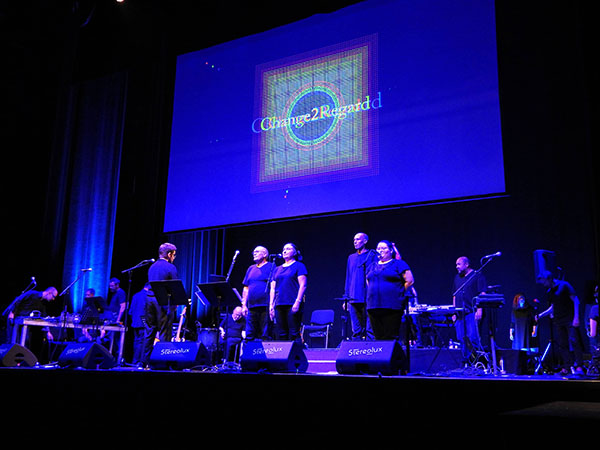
<point>276,255</point>
<point>493,255</point>
<point>148,261</point>
<point>86,270</point>
<point>237,252</point>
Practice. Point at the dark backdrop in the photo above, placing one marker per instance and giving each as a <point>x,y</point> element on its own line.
<point>548,93</point>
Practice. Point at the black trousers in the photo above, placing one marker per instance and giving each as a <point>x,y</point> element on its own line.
<point>288,323</point>
<point>157,320</point>
<point>386,323</point>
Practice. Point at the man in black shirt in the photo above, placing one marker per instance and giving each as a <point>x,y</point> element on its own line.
<point>564,310</point>
<point>233,331</point>
<point>355,288</point>
<point>23,306</point>
<point>255,296</point>
<point>159,320</point>
<point>467,330</point>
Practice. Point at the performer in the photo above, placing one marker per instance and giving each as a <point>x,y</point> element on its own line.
<point>117,300</point>
<point>355,288</point>
<point>232,329</point>
<point>523,327</point>
<point>466,325</point>
<point>137,314</point>
<point>159,319</point>
<point>255,295</point>
<point>286,303</point>
<point>91,314</point>
<point>387,282</point>
<point>564,310</point>
<point>593,333</point>
<point>23,306</point>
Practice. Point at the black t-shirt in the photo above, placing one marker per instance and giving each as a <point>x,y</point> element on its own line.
<point>161,270</point>
<point>559,296</point>
<point>386,285</point>
<point>233,328</point>
<point>28,302</point>
<point>464,298</point>
<point>256,280</point>
<point>286,283</point>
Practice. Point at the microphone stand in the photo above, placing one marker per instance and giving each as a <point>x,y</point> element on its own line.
<point>65,311</point>
<point>464,311</point>
<point>129,273</point>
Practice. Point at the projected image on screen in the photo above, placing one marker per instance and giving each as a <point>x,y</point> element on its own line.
<point>379,104</point>
<point>316,117</point>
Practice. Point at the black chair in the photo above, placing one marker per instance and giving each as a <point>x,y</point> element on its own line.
<point>321,322</point>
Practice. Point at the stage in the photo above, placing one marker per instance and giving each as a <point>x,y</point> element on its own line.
<point>456,408</point>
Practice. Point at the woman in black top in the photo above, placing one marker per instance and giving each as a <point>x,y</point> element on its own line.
<point>287,294</point>
<point>387,282</point>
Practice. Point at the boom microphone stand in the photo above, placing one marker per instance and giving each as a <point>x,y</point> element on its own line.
<point>462,287</point>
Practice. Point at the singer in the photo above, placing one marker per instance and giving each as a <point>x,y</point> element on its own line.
<point>255,295</point>
<point>355,288</point>
<point>286,302</point>
<point>159,319</point>
<point>387,282</point>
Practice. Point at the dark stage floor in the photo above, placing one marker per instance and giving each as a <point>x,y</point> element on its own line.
<point>458,408</point>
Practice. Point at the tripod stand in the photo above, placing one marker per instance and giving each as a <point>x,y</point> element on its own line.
<point>549,347</point>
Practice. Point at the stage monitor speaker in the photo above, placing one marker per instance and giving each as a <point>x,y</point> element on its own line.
<point>512,361</point>
<point>15,355</point>
<point>544,260</point>
<point>370,357</point>
<point>87,355</point>
<point>274,357</point>
<point>178,355</point>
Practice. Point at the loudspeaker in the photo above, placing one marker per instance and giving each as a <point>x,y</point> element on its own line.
<point>273,356</point>
<point>512,361</point>
<point>544,260</point>
<point>15,355</point>
<point>370,357</point>
<point>179,355</point>
<point>87,355</point>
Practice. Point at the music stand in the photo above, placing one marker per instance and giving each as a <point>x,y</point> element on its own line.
<point>169,292</point>
<point>219,294</point>
<point>94,309</point>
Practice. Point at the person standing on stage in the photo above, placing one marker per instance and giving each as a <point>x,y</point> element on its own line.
<point>286,302</point>
<point>564,310</point>
<point>466,324</point>
<point>137,312</point>
<point>117,300</point>
<point>523,328</point>
<point>355,288</point>
<point>255,295</point>
<point>159,319</point>
<point>387,282</point>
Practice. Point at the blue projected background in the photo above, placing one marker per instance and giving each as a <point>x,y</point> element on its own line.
<point>381,103</point>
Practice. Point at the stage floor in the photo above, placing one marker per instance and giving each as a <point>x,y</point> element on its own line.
<point>457,408</point>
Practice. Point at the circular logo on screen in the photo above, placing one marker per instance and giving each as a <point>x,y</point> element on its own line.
<point>311,111</point>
